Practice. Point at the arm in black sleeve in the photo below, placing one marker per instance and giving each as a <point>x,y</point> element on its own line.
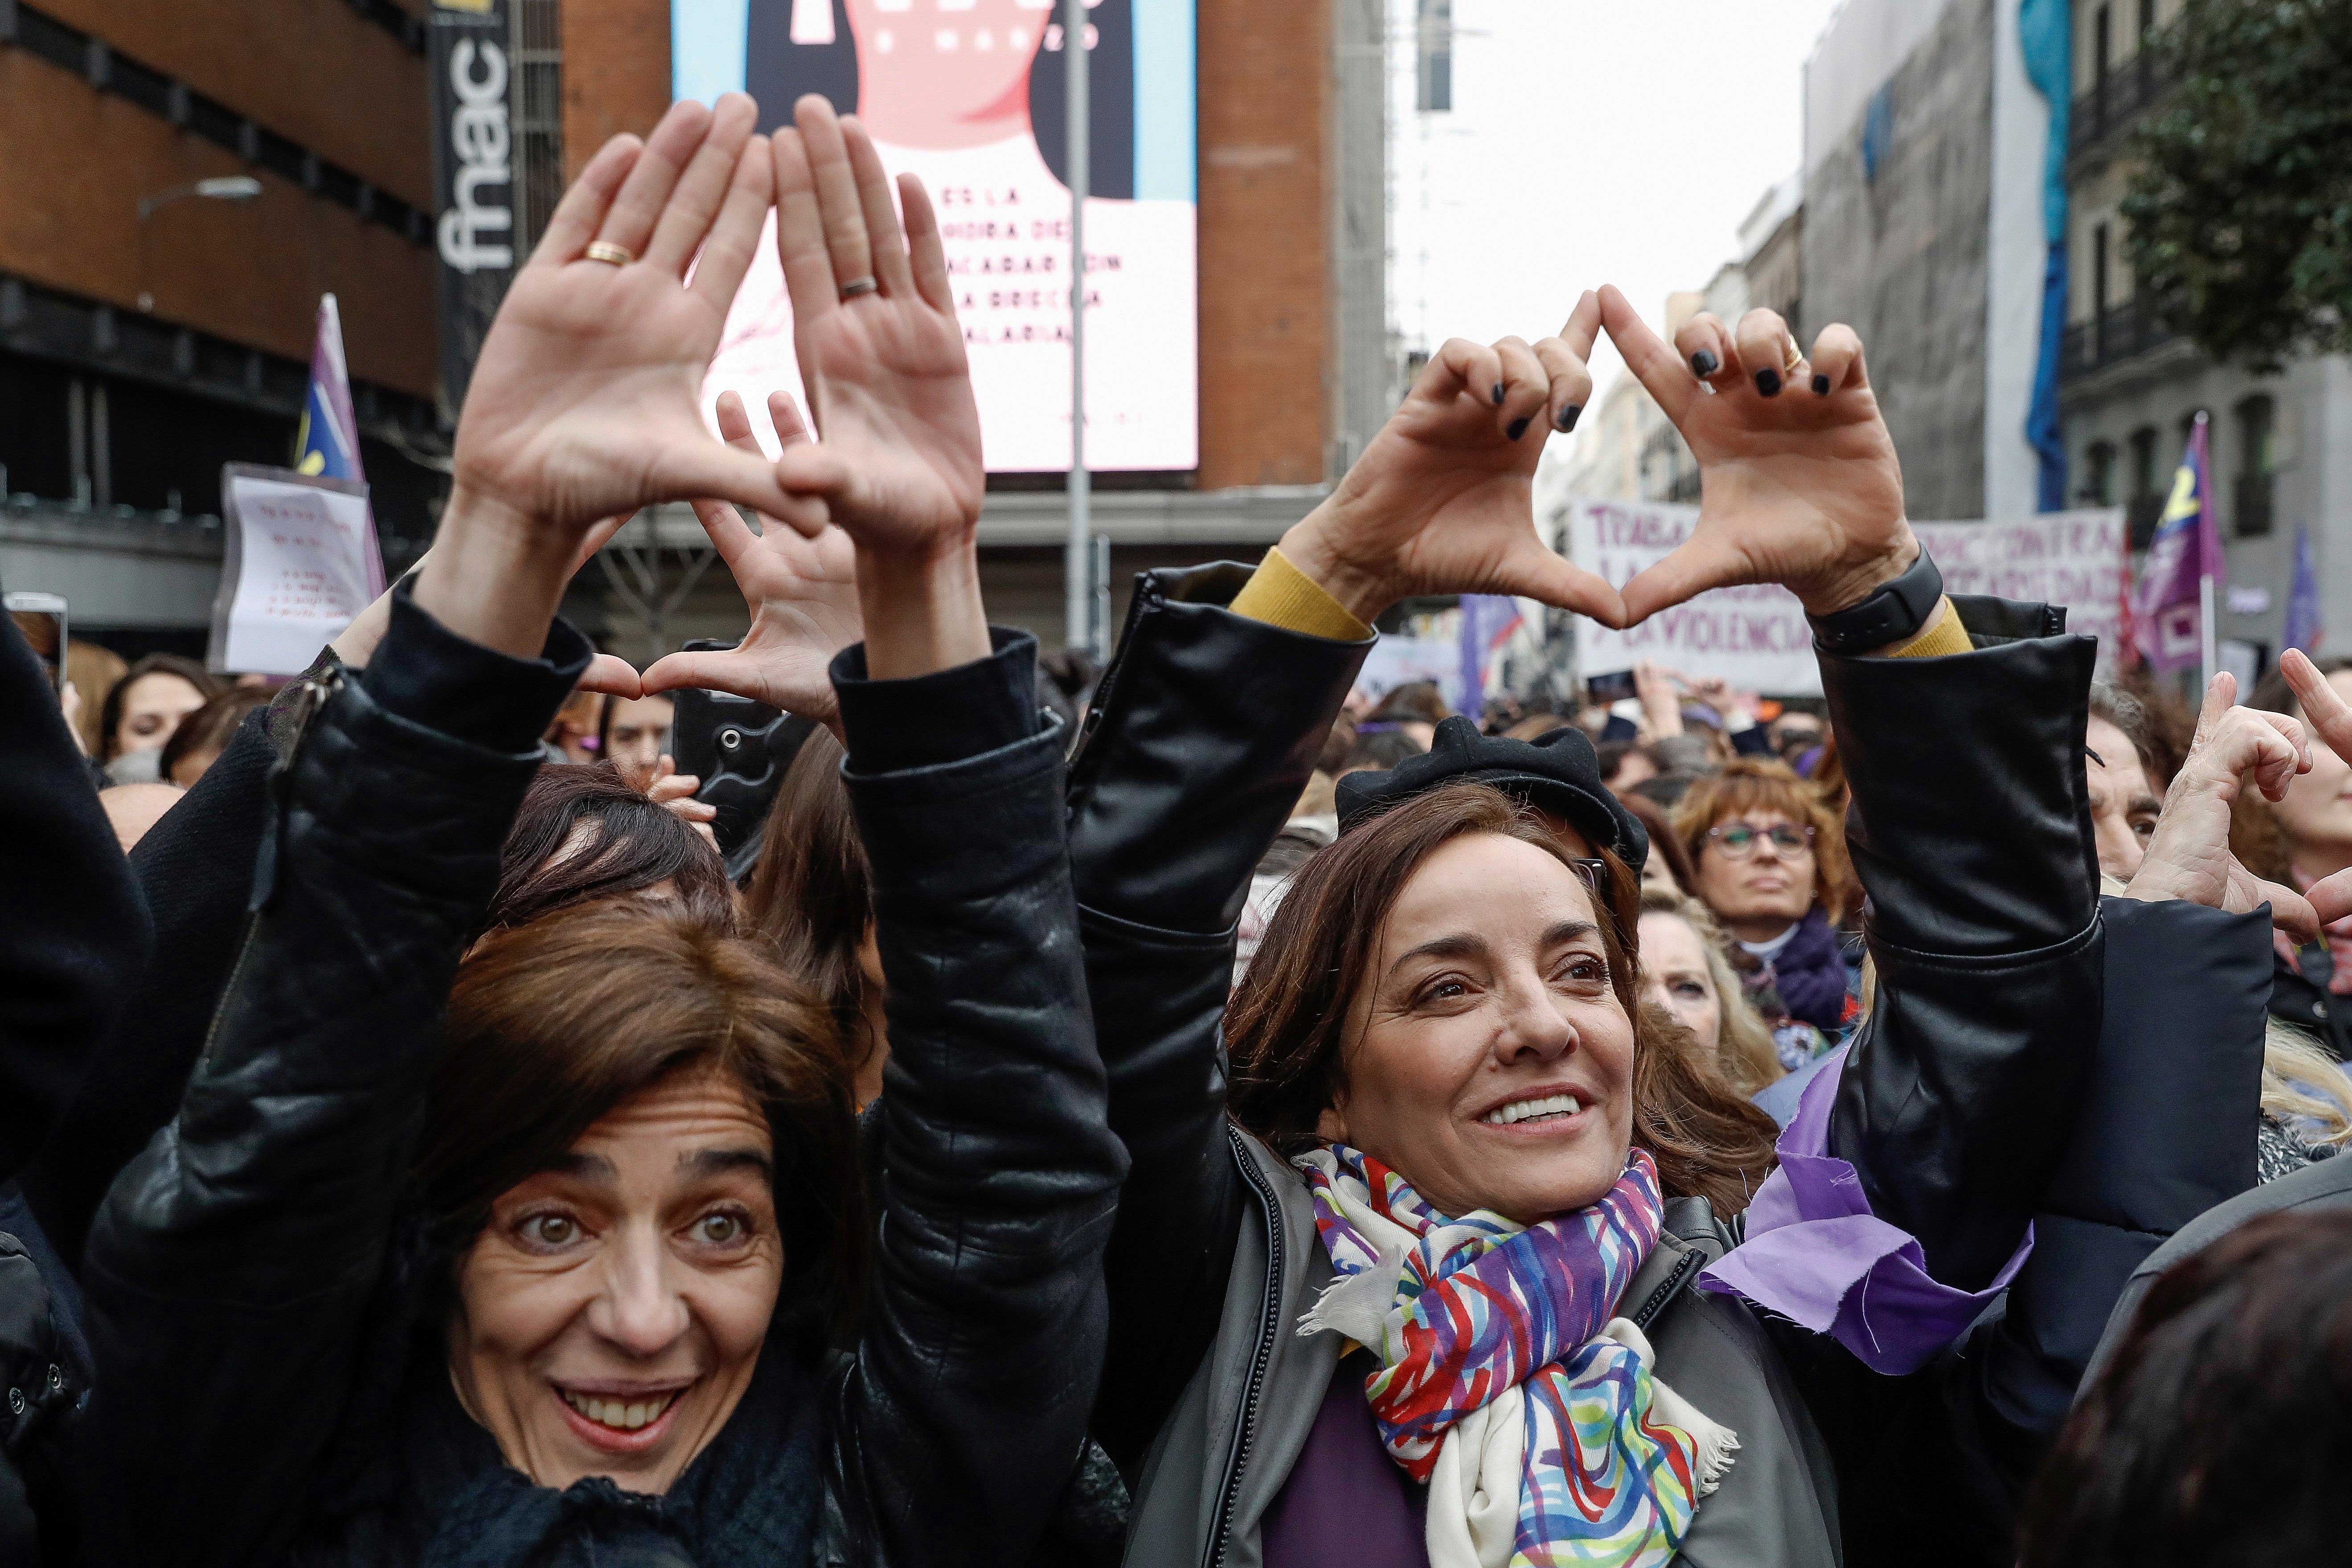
<point>1971,832</point>
<point>961,1420</point>
<point>195,869</point>
<point>229,1271</point>
<point>1201,737</point>
<point>73,934</point>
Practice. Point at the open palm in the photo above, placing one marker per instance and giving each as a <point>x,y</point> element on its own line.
<point>898,458</point>
<point>802,593</point>
<point>1442,499</point>
<point>1798,484</point>
<point>582,400</point>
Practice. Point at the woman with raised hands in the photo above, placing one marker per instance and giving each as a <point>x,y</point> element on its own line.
<point>556,1281</point>
<point>1432,1293</point>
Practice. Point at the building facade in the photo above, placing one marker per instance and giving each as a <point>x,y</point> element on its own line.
<point>150,332</point>
<point>2279,445</point>
<point>1295,368</point>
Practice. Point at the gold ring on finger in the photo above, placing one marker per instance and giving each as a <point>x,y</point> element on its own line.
<point>610,253</point>
<point>1792,356</point>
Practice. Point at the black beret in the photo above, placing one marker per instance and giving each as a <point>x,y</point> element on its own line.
<point>1556,772</point>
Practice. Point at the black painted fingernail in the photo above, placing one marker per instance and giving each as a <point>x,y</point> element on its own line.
<point>1568,417</point>
<point>1767,382</point>
<point>1498,394</point>
<point>1517,427</point>
<point>1820,383</point>
<point>1706,364</point>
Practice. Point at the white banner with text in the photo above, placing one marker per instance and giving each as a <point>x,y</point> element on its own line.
<point>1756,637</point>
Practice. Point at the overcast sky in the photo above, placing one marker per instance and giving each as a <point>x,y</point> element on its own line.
<point>1592,142</point>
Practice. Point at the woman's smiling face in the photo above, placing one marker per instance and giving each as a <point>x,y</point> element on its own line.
<point>612,1312</point>
<point>1490,1062</point>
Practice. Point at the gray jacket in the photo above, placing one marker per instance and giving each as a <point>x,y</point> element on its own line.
<point>1223,1456</point>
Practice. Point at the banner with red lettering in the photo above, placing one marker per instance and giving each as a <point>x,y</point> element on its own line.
<point>1756,637</point>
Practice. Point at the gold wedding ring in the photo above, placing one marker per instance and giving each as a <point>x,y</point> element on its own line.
<point>1790,355</point>
<point>605,250</point>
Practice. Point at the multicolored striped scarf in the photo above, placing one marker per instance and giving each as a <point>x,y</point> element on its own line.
<point>1506,1383</point>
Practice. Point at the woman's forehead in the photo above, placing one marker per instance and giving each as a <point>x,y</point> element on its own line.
<point>1487,881</point>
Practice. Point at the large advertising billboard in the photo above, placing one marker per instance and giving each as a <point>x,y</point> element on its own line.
<point>969,95</point>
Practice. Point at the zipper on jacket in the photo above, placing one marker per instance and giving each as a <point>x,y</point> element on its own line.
<point>1270,1324</point>
<point>1147,596</point>
<point>1668,1289</point>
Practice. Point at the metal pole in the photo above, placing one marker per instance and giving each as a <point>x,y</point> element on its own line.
<point>1078,553</point>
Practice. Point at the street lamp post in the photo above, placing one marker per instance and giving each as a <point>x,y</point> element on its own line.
<point>224,188</point>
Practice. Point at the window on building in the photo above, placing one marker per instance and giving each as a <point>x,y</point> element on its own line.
<point>1434,58</point>
<point>2101,281</point>
<point>2102,46</point>
<point>2147,502</point>
<point>2254,493</point>
<point>2147,20</point>
<point>2099,474</point>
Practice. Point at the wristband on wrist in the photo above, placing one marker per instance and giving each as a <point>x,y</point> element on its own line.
<point>1898,611</point>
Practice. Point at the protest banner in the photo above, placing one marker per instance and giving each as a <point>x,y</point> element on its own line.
<point>301,560</point>
<point>1755,636</point>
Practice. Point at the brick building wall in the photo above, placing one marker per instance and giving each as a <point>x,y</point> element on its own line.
<point>1266,302</point>
<point>80,160</point>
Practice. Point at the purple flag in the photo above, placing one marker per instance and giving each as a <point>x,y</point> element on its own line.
<point>1487,622</point>
<point>2185,553</point>
<point>2304,629</point>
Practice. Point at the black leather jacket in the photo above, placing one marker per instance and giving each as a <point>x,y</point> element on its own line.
<point>236,1274</point>
<point>1972,835</point>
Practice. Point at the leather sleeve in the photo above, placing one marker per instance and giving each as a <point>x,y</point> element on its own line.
<point>1202,734</point>
<point>195,870</point>
<point>962,1417</point>
<point>230,1268</point>
<point>1970,830</point>
<point>73,933</point>
<point>2166,1131</point>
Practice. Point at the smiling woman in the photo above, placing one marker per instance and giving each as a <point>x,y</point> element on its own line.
<point>599,1163</point>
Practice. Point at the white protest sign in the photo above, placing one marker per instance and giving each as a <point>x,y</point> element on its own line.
<point>301,561</point>
<point>1756,637</point>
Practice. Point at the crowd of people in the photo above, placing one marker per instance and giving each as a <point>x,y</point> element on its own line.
<point>1192,1113</point>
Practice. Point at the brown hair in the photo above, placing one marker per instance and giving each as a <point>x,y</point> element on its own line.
<point>811,891</point>
<point>1663,842</point>
<point>1285,1026</point>
<point>210,728</point>
<point>552,1023</point>
<point>630,844</point>
<point>2218,1433</point>
<point>109,715</point>
<point>1747,784</point>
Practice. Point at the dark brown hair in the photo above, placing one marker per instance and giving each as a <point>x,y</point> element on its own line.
<point>630,844</point>
<point>1663,842</point>
<point>110,714</point>
<point>1286,1023</point>
<point>210,728</point>
<point>812,892</point>
<point>1414,702</point>
<point>1767,783</point>
<point>2221,1434</point>
<point>554,1024</point>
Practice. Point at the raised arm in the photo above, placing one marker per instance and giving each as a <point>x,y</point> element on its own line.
<point>74,936</point>
<point>961,1418</point>
<point>232,1267</point>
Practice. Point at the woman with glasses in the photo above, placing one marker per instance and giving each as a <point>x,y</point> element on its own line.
<point>1771,862</point>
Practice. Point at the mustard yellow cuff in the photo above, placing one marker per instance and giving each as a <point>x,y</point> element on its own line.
<point>1282,596</point>
<point>1944,635</point>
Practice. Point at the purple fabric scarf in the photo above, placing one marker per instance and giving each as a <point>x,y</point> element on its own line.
<point>1817,1256</point>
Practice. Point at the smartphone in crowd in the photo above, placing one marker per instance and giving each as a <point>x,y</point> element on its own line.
<point>1605,690</point>
<point>739,749</point>
<point>42,618</point>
